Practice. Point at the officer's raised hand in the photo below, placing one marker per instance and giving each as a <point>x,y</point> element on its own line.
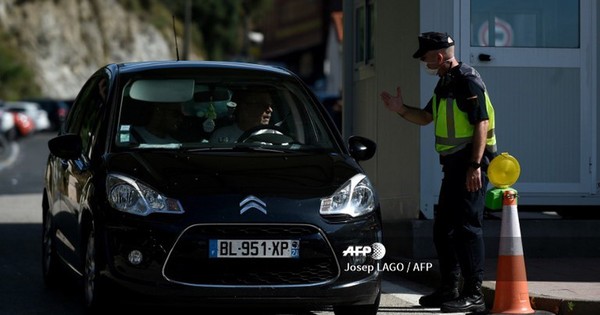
<point>394,103</point>
<point>412,114</point>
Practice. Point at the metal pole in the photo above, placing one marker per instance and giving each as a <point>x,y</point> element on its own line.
<point>348,70</point>
<point>187,29</point>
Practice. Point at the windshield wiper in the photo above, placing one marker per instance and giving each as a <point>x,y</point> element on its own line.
<point>208,149</point>
<point>169,146</point>
<point>236,148</point>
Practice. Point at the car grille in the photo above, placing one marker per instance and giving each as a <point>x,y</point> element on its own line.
<point>189,261</point>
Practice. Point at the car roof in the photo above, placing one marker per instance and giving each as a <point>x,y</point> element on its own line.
<point>21,104</point>
<point>132,67</point>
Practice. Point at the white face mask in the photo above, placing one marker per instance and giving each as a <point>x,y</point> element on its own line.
<point>429,70</point>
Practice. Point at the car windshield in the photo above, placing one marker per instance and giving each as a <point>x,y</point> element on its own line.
<point>220,114</point>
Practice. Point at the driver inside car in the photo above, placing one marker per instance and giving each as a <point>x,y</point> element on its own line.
<point>254,108</point>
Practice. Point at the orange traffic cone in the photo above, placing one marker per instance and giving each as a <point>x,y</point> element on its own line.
<point>512,292</point>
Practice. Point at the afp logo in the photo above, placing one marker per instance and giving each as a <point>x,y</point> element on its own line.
<point>377,251</point>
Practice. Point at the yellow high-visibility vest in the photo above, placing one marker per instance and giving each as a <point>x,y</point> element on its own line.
<point>453,131</point>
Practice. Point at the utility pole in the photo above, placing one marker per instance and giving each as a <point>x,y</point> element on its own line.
<point>246,30</point>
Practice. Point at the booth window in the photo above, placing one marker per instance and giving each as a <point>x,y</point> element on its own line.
<point>526,24</point>
<point>364,50</point>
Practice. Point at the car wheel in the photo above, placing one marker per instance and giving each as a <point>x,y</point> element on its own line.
<point>368,309</point>
<point>95,288</point>
<point>12,134</point>
<point>50,268</point>
<point>4,145</point>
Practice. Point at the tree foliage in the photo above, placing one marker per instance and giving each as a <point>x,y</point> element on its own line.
<point>219,29</point>
<point>16,77</point>
<point>223,24</point>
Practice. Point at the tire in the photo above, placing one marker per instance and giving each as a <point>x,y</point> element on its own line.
<point>51,270</point>
<point>4,145</point>
<point>12,134</point>
<point>368,309</point>
<point>95,288</point>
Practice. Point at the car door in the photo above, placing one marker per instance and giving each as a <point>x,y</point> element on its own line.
<point>84,121</point>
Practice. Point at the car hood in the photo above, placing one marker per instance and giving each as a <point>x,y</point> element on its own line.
<point>293,175</point>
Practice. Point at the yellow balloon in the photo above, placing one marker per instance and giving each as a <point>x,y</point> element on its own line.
<point>504,170</point>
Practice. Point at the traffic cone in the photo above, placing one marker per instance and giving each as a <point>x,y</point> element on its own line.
<point>512,292</point>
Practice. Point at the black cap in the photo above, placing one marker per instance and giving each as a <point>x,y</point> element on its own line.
<point>432,41</point>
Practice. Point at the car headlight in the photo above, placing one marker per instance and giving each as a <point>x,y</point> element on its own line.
<point>129,195</point>
<point>355,198</point>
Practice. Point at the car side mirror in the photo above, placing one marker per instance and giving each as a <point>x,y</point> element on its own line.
<point>66,146</point>
<point>361,148</point>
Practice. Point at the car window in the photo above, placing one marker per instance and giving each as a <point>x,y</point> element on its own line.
<point>220,113</point>
<point>83,118</point>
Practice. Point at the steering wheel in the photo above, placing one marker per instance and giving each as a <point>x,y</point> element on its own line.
<point>266,134</point>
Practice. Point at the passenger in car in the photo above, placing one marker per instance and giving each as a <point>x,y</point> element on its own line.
<point>254,108</point>
<point>162,126</point>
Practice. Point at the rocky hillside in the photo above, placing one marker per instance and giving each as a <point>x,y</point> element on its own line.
<point>65,41</point>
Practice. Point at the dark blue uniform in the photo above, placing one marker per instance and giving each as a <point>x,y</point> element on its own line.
<point>458,218</point>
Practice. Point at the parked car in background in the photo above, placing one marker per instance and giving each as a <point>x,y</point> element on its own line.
<point>270,217</point>
<point>33,110</point>
<point>24,124</point>
<point>7,124</point>
<point>57,110</point>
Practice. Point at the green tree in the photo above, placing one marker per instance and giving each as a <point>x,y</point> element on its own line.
<point>223,24</point>
<point>16,77</point>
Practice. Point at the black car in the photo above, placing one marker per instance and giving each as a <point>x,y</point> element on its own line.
<point>272,217</point>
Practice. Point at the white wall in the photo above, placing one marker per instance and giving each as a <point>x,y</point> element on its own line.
<point>597,101</point>
<point>439,18</point>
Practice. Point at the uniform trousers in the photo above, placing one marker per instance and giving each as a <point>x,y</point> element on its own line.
<point>458,220</point>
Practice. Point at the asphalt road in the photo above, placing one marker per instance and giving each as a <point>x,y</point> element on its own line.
<point>22,290</point>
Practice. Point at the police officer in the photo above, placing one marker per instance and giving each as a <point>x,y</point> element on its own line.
<point>463,117</point>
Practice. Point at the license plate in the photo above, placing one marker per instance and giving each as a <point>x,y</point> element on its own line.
<point>254,249</point>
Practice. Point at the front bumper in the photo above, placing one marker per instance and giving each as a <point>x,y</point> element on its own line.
<point>356,293</point>
<point>176,267</point>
